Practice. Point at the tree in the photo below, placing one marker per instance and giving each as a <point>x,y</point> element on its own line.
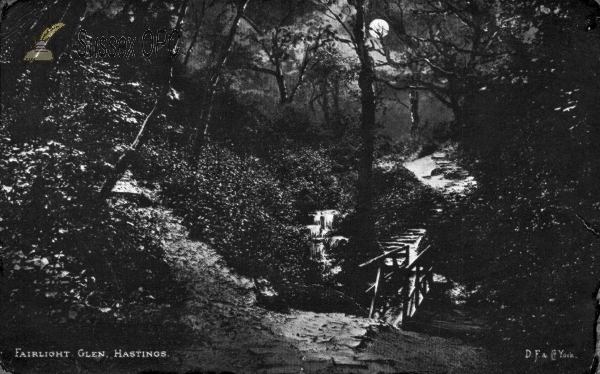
<point>198,22</point>
<point>446,47</point>
<point>331,73</point>
<point>365,240</point>
<point>213,77</point>
<point>142,137</point>
<point>286,47</point>
<point>533,152</point>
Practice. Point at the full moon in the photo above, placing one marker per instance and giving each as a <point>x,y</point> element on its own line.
<point>379,28</point>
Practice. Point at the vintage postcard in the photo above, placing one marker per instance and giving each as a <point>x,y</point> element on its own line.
<point>299,186</point>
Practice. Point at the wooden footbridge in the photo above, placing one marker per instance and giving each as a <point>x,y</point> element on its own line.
<point>402,273</point>
<point>402,277</point>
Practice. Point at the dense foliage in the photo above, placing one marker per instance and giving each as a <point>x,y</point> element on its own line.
<point>238,206</point>
<point>524,245</point>
<point>402,202</point>
<point>521,79</point>
<point>62,249</point>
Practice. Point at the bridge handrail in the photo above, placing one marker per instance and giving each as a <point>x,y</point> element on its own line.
<point>413,263</point>
<point>409,293</point>
<point>374,259</point>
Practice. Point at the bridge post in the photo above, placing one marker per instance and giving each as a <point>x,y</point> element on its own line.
<point>429,278</point>
<point>417,291</point>
<point>405,294</point>
<point>375,293</point>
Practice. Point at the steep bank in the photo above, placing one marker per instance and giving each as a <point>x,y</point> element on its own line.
<point>216,324</point>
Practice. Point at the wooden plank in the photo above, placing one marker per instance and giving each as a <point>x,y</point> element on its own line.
<point>419,286</point>
<point>398,319</point>
<point>405,297</point>
<point>417,280</point>
<point>429,278</point>
<point>385,277</point>
<point>389,261</point>
<point>391,247</point>
<point>380,257</point>
<point>414,287</point>
<point>403,237</point>
<point>375,294</point>
<point>412,263</point>
<point>402,252</point>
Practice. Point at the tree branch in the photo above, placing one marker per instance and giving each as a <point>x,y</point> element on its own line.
<point>342,23</point>
<point>305,61</point>
<point>258,30</point>
<point>261,70</point>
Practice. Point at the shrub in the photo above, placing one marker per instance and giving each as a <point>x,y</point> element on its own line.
<point>65,250</point>
<point>238,206</point>
<point>307,175</point>
<point>401,201</point>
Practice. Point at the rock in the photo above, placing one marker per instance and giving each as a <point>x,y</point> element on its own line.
<point>317,357</point>
<point>261,351</point>
<point>348,362</point>
<point>437,171</point>
<point>322,339</point>
<point>348,341</point>
<point>335,358</point>
<point>129,190</point>
<point>372,357</point>
<point>282,370</point>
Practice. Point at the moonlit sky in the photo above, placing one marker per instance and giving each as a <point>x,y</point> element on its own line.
<point>379,28</point>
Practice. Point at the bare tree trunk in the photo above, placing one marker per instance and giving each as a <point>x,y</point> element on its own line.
<point>365,236</point>
<point>283,95</point>
<point>325,100</point>
<point>140,140</point>
<point>455,106</point>
<point>413,98</point>
<point>214,78</point>
<point>199,22</point>
<point>336,97</point>
<point>192,43</point>
<point>142,137</point>
<point>126,158</point>
<point>181,14</point>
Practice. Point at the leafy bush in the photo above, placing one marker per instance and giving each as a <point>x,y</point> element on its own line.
<point>65,250</point>
<point>535,157</point>
<point>307,175</point>
<point>401,202</point>
<point>239,207</point>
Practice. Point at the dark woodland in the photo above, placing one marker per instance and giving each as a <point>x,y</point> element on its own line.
<point>319,186</point>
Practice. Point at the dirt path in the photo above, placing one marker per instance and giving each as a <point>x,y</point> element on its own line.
<point>215,324</point>
<point>441,173</point>
<point>238,335</point>
<point>232,333</point>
